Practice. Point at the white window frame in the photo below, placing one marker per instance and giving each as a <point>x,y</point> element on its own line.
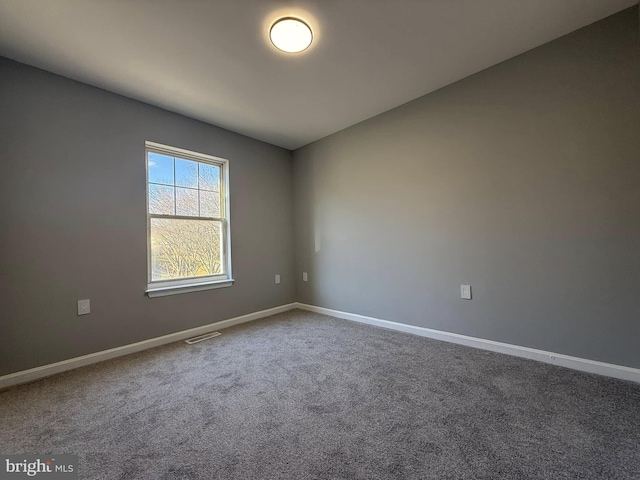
<point>192,284</point>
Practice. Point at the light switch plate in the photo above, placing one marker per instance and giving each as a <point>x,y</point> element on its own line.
<point>465,292</point>
<point>277,278</point>
<point>304,276</point>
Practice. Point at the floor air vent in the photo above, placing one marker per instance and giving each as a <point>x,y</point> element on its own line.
<point>200,338</point>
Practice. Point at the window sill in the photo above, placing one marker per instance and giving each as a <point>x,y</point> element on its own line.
<point>193,287</point>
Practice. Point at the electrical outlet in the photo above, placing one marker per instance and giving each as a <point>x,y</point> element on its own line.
<point>304,277</point>
<point>84,307</point>
<point>277,278</point>
<point>465,292</point>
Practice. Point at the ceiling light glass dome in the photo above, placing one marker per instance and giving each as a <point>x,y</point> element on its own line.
<point>291,35</point>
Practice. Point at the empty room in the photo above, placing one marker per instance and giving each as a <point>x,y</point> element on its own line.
<point>319,239</point>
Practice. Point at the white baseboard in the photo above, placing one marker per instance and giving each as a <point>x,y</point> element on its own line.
<point>47,370</point>
<point>576,363</point>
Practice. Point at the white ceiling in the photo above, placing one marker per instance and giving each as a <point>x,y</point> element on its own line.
<point>211,60</point>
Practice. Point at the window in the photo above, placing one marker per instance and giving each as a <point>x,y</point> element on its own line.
<point>187,221</point>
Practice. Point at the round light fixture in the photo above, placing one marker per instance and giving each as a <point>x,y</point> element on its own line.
<point>290,35</point>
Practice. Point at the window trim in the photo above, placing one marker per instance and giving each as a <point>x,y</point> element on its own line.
<point>160,288</point>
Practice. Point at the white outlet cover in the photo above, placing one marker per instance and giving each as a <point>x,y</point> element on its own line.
<point>304,276</point>
<point>84,307</point>
<point>277,278</point>
<point>465,292</point>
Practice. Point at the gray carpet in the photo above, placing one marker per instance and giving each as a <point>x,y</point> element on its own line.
<point>301,395</point>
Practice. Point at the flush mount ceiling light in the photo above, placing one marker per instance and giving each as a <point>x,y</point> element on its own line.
<point>290,35</point>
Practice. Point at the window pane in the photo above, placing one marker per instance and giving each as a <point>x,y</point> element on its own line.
<point>160,168</point>
<point>186,173</point>
<point>209,204</point>
<point>186,202</point>
<point>185,248</point>
<point>161,200</point>
<point>209,177</point>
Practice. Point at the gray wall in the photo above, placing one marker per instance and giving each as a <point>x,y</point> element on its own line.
<point>73,224</point>
<point>522,180</point>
